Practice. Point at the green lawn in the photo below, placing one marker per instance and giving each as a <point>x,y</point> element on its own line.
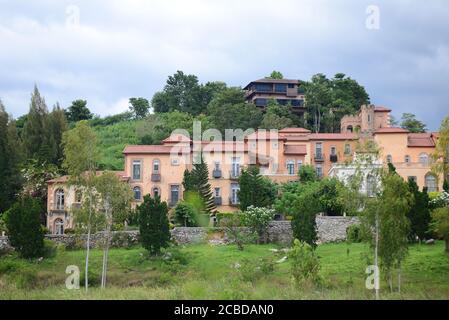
<point>208,272</point>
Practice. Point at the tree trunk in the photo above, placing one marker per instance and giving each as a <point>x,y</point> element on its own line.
<point>399,279</point>
<point>86,276</point>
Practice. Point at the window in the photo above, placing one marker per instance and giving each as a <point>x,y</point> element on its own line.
<point>407,159</point>
<point>260,102</point>
<point>235,169</point>
<point>217,192</point>
<point>217,165</point>
<point>431,183</point>
<point>137,193</point>
<point>280,87</point>
<point>347,148</point>
<point>424,159</point>
<point>291,167</point>
<point>370,186</point>
<point>156,166</point>
<point>299,164</point>
<point>319,170</point>
<point>291,86</point>
<point>60,199</point>
<point>389,159</point>
<point>319,150</point>
<point>59,226</point>
<point>350,129</point>
<point>156,192</point>
<point>333,151</point>
<point>369,118</point>
<point>174,194</point>
<point>137,172</point>
<point>412,178</point>
<point>264,87</point>
<point>234,193</point>
<point>175,162</point>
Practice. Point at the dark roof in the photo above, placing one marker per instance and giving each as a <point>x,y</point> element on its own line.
<point>268,80</point>
<point>381,109</point>
<point>420,140</point>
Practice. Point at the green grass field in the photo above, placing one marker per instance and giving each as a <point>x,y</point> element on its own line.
<point>208,272</point>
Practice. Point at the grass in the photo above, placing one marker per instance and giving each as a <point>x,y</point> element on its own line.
<point>208,272</point>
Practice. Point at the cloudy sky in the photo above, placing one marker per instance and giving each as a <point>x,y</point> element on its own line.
<point>108,51</point>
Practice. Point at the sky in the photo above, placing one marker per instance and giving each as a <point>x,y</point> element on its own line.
<point>108,51</point>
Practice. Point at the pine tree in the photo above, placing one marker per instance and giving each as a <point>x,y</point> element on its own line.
<point>188,181</point>
<point>154,227</point>
<point>200,176</point>
<point>57,126</point>
<point>419,214</point>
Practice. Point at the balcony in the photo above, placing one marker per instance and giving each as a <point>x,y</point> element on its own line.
<point>218,201</point>
<point>156,177</point>
<point>58,212</point>
<point>333,158</point>
<point>234,174</point>
<point>319,157</point>
<point>216,173</point>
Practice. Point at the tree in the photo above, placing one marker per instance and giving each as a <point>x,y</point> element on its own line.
<point>440,156</point>
<point>275,75</point>
<point>440,224</point>
<point>80,161</point>
<point>235,116</point>
<point>79,111</point>
<point>412,124</point>
<point>387,215</point>
<point>185,214</point>
<point>10,160</point>
<point>200,176</point>
<point>276,116</point>
<point>113,197</point>
<point>36,133</point>
<point>305,264</point>
<point>154,228</point>
<point>57,126</point>
<point>307,173</point>
<point>255,190</point>
<point>24,228</point>
<point>139,107</point>
<point>258,221</point>
<point>419,214</point>
<point>188,181</point>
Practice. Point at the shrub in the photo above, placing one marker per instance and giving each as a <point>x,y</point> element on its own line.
<point>69,231</point>
<point>24,227</point>
<point>185,215</point>
<point>222,216</point>
<point>252,270</point>
<point>232,226</point>
<point>94,278</point>
<point>304,262</point>
<point>440,224</point>
<point>354,234</point>
<point>258,220</point>
<point>50,249</point>
<point>121,240</point>
<point>440,201</point>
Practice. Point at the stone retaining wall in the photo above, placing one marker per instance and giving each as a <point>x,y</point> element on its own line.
<point>330,229</point>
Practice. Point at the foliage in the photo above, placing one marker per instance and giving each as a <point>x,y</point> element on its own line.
<point>24,228</point>
<point>139,107</point>
<point>307,173</point>
<point>419,214</point>
<point>276,116</point>
<point>440,157</point>
<point>440,201</point>
<point>328,100</point>
<point>275,75</point>
<point>154,228</point>
<point>185,214</point>
<point>440,224</point>
<point>258,220</point>
<point>354,234</point>
<point>255,190</point>
<point>412,124</point>
<point>304,263</point>
<point>232,225</point>
<point>79,111</point>
<point>250,270</point>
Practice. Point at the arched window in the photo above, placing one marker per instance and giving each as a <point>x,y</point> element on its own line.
<point>431,183</point>
<point>60,199</point>
<point>350,129</point>
<point>407,159</point>
<point>424,159</point>
<point>156,192</point>
<point>389,159</point>
<point>291,167</point>
<point>59,226</point>
<point>370,186</point>
<point>156,166</point>
<point>137,193</point>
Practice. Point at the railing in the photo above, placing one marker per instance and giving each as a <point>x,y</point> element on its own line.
<point>156,177</point>
<point>319,157</point>
<point>216,173</point>
<point>234,174</point>
<point>218,201</point>
<point>333,158</point>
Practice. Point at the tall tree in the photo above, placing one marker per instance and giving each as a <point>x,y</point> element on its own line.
<point>36,133</point>
<point>200,175</point>
<point>276,75</point>
<point>276,116</point>
<point>255,190</point>
<point>419,214</point>
<point>412,124</point>
<point>10,159</point>
<point>79,111</point>
<point>81,156</point>
<point>139,107</point>
<point>441,154</point>
<point>57,126</point>
<point>154,227</point>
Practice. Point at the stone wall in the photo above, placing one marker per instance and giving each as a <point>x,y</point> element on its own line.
<point>330,229</point>
<point>4,244</point>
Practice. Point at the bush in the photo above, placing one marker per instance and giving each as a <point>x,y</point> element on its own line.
<point>122,240</point>
<point>232,226</point>
<point>221,216</point>
<point>304,262</point>
<point>50,249</point>
<point>440,201</point>
<point>258,220</point>
<point>440,224</point>
<point>185,215</point>
<point>24,227</point>
<point>94,278</point>
<point>354,234</point>
<point>252,270</point>
<point>69,231</point>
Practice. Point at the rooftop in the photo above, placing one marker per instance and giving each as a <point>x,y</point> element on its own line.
<point>391,130</point>
<point>420,140</point>
<point>268,80</point>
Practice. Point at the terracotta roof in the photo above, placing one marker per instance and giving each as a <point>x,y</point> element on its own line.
<point>177,138</point>
<point>391,130</point>
<point>265,135</point>
<point>152,149</point>
<point>381,109</point>
<point>64,179</point>
<point>225,146</point>
<point>294,130</point>
<point>295,149</point>
<point>333,136</point>
<point>420,140</point>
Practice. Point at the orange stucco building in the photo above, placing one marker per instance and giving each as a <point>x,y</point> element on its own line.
<point>159,169</point>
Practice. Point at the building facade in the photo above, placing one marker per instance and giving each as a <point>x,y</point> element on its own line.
<point>158,170</point>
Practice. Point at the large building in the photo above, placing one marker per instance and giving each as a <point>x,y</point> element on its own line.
<point>284,91</point>
<point>158,169</point>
